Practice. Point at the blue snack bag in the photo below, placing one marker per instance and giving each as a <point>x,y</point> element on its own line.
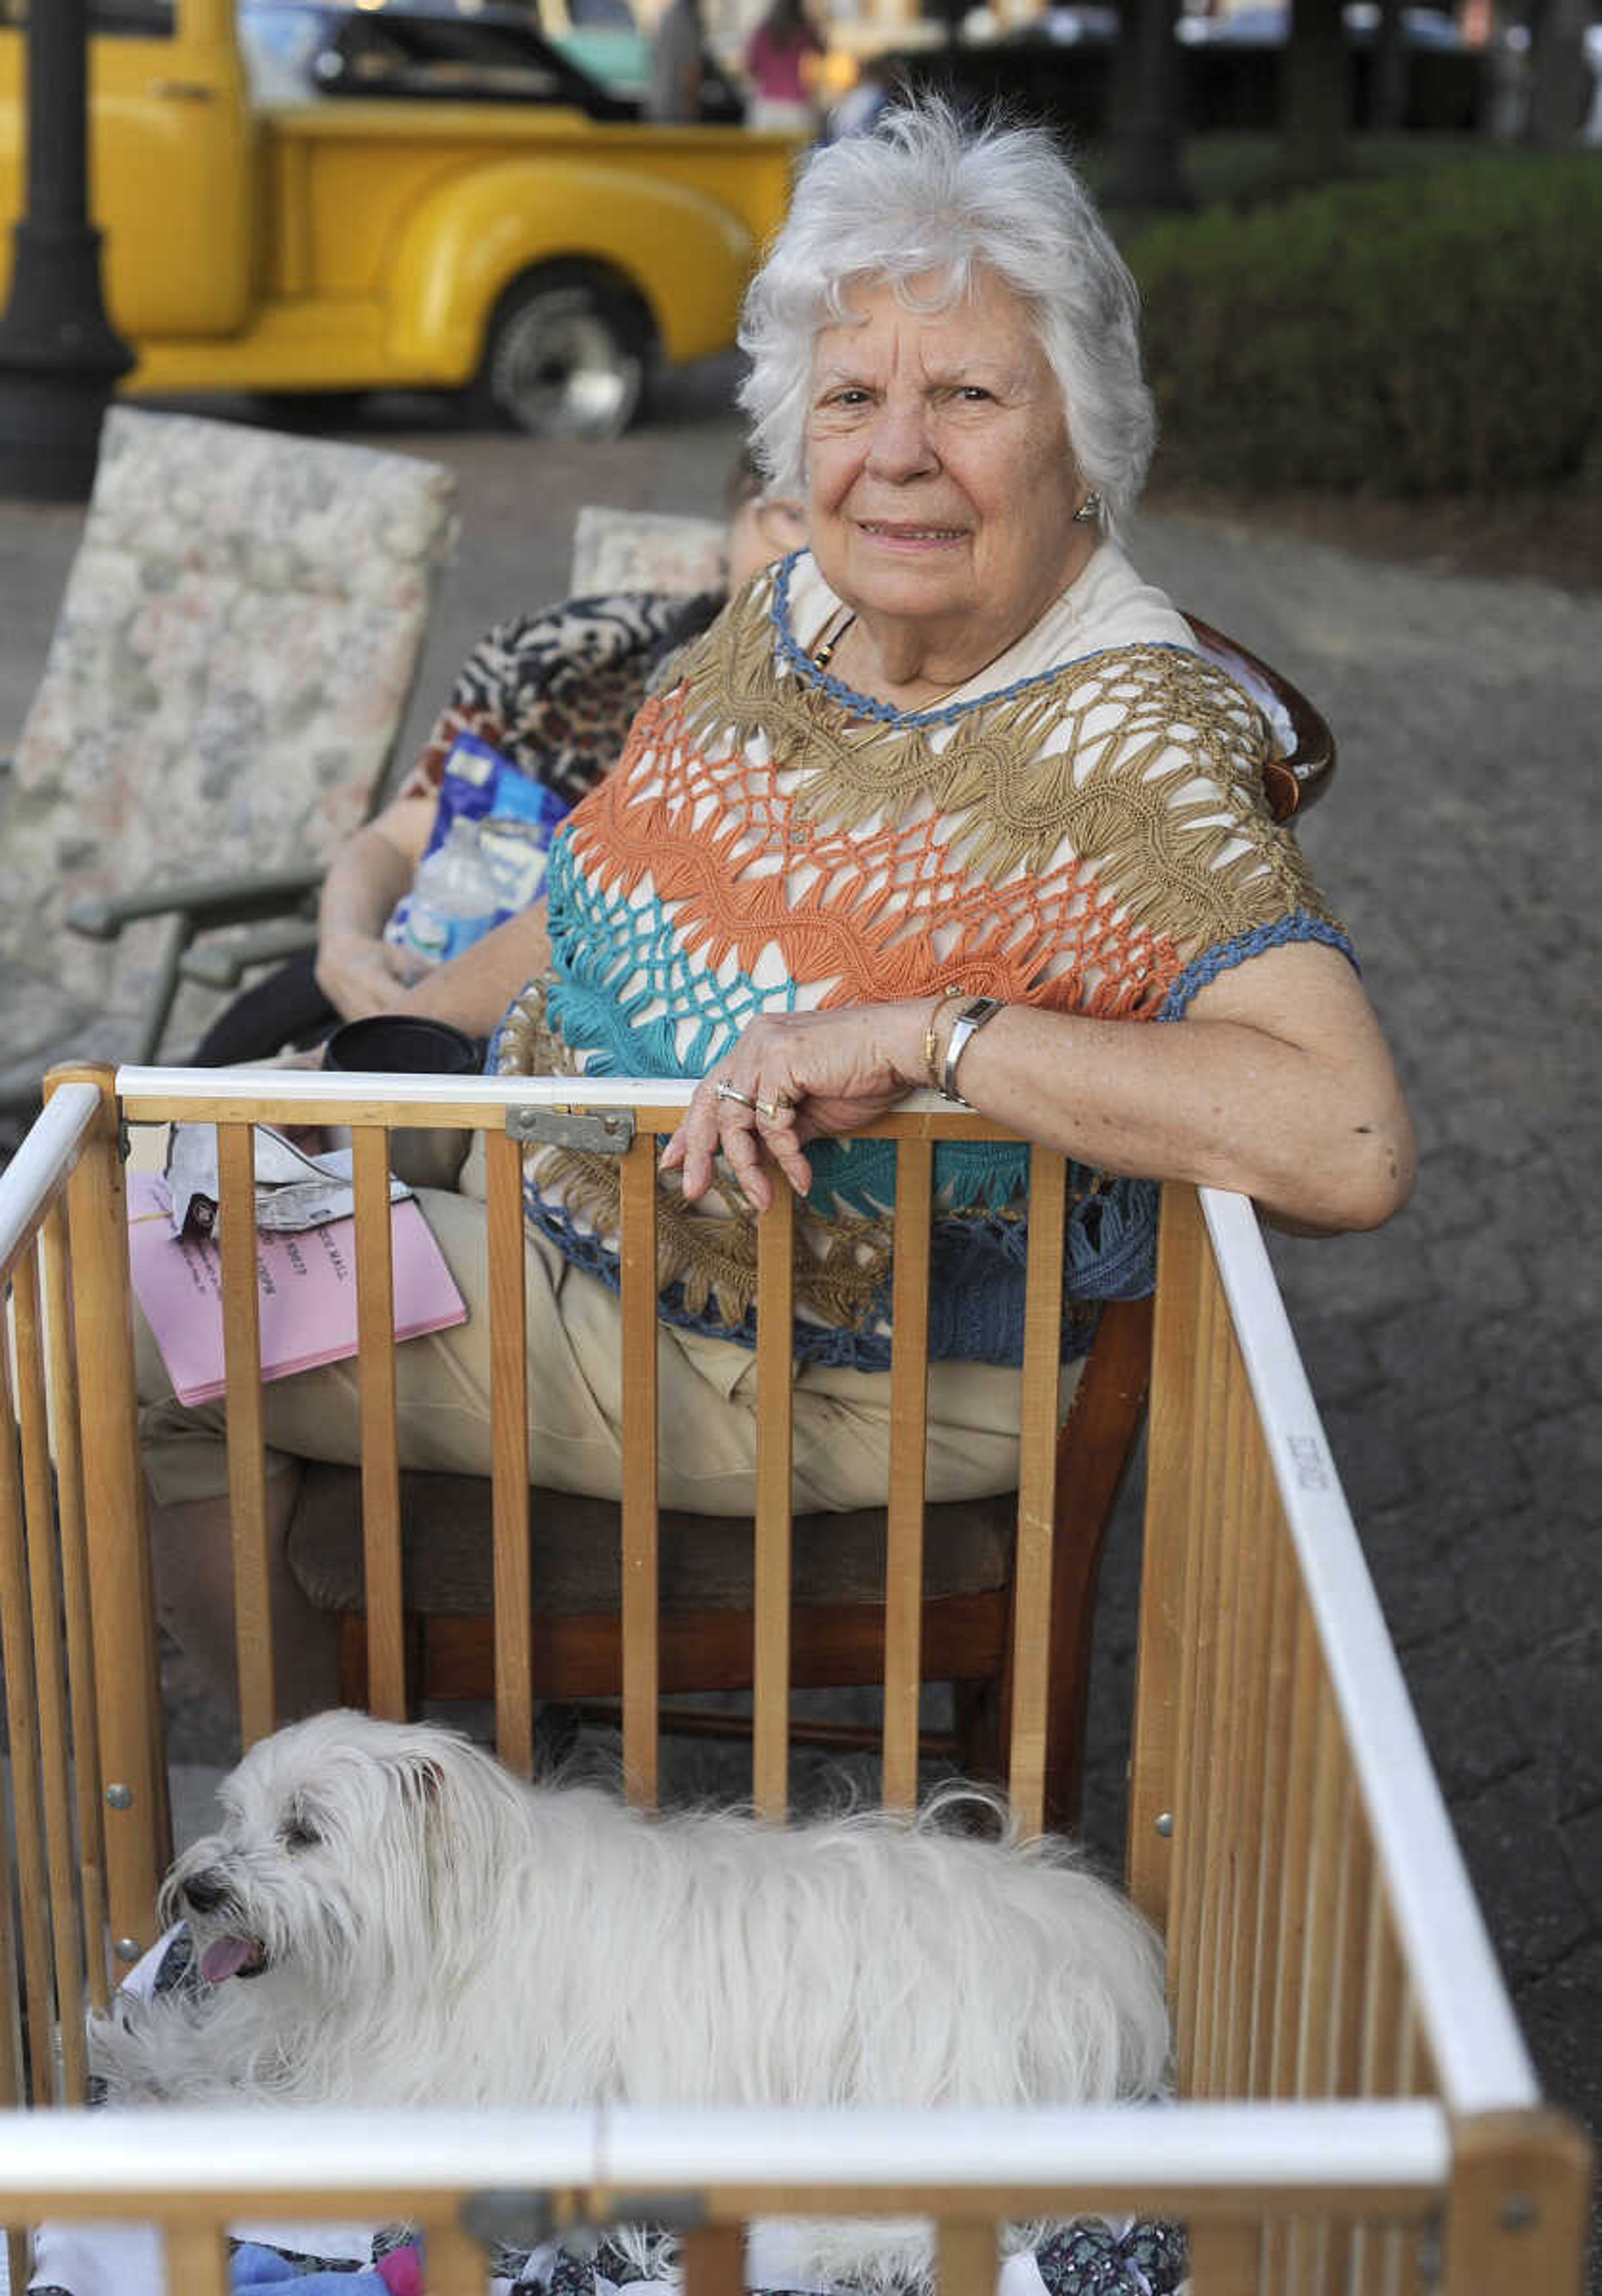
<point>515,818</point>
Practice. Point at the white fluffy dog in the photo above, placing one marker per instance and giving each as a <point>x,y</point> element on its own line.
<point>389,1916</point>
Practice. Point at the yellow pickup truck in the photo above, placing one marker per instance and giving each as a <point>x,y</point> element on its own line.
<point>504,240</point>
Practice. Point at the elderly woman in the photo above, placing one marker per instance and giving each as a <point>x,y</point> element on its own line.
<point>946,801</point>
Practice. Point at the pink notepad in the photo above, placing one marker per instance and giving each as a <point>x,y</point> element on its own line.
<point>305,1289</point>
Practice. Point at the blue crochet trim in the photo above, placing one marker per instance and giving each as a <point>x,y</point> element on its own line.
<point>1300,924</point>
<point>885,713</point>
<point>597,943</point>
<point>976,1281</point>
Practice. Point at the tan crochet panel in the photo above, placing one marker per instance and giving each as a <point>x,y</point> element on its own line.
<point>1154,775</point>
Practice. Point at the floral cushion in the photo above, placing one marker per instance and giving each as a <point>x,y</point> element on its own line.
<point>230,661</point>
<point>645,550</point>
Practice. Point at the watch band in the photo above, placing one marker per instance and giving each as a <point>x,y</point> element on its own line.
<point>967,1023</point>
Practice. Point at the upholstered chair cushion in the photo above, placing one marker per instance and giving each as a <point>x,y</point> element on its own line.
<point>645,550</point>
<point>231,661</point>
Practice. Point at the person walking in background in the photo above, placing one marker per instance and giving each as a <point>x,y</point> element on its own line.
<point>782,57</point>
<point>674,93</point>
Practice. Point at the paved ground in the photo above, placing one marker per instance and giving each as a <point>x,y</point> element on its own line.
<point>1457,1356</point>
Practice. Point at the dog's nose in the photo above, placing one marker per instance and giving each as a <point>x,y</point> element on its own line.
<point>203,1893</point>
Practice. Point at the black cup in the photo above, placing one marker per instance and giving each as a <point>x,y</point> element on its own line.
<point>406,1044</point>
<point>403,1043</point>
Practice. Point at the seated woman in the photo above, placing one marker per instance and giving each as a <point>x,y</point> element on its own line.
<point>947,799</point>
<point>549,697</point>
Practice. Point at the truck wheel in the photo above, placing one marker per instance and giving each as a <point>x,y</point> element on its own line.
<point>565,358</point>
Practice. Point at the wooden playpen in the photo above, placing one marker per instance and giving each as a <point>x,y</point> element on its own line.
<point>1356,2111</point>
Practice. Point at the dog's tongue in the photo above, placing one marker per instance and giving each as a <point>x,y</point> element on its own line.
<point>226,1957</point>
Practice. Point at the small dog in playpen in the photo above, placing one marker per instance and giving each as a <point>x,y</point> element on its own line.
<point>389,1916</point>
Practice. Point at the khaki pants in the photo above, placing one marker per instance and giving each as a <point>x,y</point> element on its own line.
<point>707,1401</point>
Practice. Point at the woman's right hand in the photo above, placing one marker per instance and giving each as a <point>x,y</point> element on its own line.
<point>360,975</point>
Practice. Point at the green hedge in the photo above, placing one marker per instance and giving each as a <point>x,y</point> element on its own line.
<point>1435,333</point>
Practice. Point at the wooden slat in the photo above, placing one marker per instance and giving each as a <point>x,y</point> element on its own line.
<point>1314,2063</point>
<point>453,2260</point>
<point>1209,1335</point>
<point>1223,1745</point>
<point>21,1719</point>
<point>381,1459</point>
<point>49,1653</point>
<point>1384,1998</point>
<point>1039,1384</point>
<point>1377,2260</point>
<point>1517,2206</point>
<point>197,2260</point>
<point>1312,2260</point>
<point>1252,1690</point>
<point>1290,1920</point>
<point>247,1465</point>
<point>1159,1663</point>
<point>1279,1666</point>
<point>1242,1748</point>
<point>509,1450</point>
<point>1346,2002</point>
<point>713,2261</point>
<point>66,1449</point>
<point>1199,1684</point>
<point>1225,2259</point>
<point>909,1435</point>
<point>123,1617</point>
<point>770,1684</point>
<point>12,2083</point>
<point>966,2260</point>
<point>639,1530</point>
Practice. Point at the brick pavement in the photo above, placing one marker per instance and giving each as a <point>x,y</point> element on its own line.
<point>1457,1356</point>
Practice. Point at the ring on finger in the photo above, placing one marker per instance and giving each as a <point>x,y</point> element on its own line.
<point>732,1092</point>
<point>773,1109</point>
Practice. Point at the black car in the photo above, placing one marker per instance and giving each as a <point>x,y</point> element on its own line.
<point>494,53</point>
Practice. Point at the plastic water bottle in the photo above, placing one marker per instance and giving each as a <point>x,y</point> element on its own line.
<point>453,900</point>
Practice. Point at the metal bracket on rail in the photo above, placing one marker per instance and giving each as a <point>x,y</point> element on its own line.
<point>609,1133</point>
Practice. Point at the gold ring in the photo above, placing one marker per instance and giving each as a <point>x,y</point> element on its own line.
<point>731,1092</point>
<point>772,1109</point>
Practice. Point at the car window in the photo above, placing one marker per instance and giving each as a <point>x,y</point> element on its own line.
<point>279,47</point>
<point>422,55</point>
<point>615,15</point>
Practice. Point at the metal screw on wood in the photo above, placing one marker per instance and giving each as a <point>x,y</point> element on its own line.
<point>1517,2213</point>
<point>120,1797</point>
<point>1163,1822</point>
<point>127,1948</point>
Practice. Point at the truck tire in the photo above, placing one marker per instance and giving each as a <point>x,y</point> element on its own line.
<point>566,356</point>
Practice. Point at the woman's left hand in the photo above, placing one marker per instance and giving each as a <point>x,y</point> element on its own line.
<point>790,1078</point>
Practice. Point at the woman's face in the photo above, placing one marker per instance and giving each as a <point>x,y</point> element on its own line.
<point>941,486</point>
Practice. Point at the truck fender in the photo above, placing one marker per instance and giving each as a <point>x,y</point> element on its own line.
<point>685,255</point>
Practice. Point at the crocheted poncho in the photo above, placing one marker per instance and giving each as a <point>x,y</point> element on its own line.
<point>1090,836</point>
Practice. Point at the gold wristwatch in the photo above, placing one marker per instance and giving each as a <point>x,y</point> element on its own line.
<point>967,1023</point>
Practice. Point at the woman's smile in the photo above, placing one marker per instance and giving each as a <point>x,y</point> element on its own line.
<point>900,537</point>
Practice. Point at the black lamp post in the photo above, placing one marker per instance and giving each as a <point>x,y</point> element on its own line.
<point>58,353</point>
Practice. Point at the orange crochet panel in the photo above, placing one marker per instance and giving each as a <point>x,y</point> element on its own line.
<point>744,867</point>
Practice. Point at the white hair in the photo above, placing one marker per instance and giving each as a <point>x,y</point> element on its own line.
<point>924,195</point>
